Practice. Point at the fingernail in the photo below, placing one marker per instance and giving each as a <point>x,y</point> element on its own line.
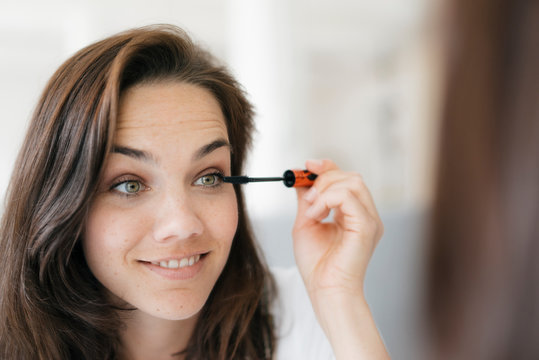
<point>310,195</point>
<point>317,162</point>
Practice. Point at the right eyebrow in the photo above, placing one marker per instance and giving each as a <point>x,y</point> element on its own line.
<point>134,153</point>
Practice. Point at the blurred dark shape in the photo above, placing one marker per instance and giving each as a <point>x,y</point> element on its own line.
<point>483,294</point>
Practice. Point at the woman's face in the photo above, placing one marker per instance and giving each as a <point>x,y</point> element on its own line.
<point>160,229</point>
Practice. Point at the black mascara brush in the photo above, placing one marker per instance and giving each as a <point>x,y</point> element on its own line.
<point>291,178</point>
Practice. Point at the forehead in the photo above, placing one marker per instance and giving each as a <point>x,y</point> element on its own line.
<point>169,108</point>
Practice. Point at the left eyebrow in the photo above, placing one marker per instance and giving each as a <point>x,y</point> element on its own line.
<point>209,148</point>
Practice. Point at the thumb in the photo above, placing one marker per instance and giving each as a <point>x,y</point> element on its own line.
<point>305,197</point>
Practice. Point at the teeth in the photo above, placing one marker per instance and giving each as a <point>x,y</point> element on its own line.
<point>175,263</point>
<point>184,262</point>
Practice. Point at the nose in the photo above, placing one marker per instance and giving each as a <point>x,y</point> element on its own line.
<point>175,219</point>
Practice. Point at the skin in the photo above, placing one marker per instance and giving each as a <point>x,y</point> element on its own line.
<point>173,215</point>
<point>156,207</point>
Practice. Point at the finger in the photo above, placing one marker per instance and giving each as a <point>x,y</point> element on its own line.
<point>334,198</point>
<point>357,186</point>
<point>326,179</point>
<point>304,201</point>
<point>353,213</point>
<point>354,181</point>
<point>320,166</point>
<point>307,195</point>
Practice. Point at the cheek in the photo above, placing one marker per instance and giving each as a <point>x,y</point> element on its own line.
<point>222,219</point>
<point>108,236</point>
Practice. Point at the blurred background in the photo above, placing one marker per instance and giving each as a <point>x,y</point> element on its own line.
<point>352,80</point>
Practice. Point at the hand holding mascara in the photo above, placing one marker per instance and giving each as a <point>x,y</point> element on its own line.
<point>291,178</point>
<point>335,233</point>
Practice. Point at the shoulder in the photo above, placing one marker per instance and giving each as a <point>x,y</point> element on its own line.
<point>299,336</point>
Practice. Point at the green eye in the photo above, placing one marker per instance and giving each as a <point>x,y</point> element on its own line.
<point>208,180</point>
<point>129,187</point>
<point>132,186</point>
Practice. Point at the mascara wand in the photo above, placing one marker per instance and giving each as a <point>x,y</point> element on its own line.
<point>291,178</point>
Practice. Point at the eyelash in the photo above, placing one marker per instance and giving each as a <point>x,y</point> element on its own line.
<point>217,174</point>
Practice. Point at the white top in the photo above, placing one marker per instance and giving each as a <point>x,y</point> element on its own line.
<point>299,336</point>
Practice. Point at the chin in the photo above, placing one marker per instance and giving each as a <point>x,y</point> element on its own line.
<point>175,309</point>
<point>176,315</point>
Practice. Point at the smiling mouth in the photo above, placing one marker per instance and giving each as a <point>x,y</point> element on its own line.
<point>178,263</point>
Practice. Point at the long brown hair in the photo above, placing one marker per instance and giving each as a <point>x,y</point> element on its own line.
<point>484,272</point>
<point>51,305</point>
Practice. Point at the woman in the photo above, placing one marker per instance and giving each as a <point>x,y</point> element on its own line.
<point>121,241</point>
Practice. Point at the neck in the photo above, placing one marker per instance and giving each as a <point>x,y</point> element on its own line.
<point>148,337</point>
